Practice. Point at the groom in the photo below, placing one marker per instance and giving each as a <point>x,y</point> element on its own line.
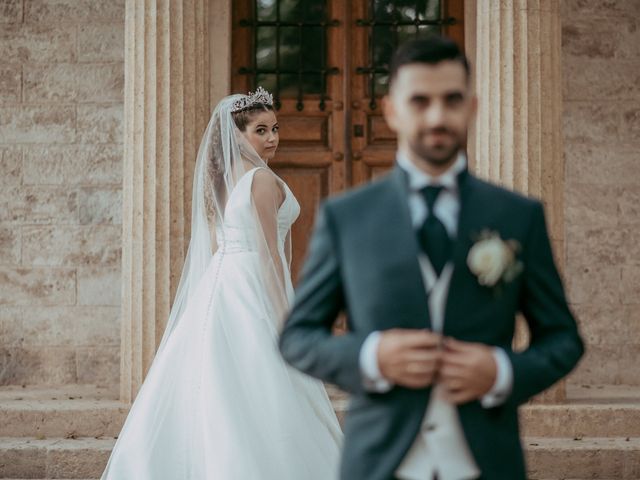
<point>431,266</point>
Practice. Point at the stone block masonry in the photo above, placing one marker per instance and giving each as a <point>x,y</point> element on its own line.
<point>601,89</point>
<point>61,144</point>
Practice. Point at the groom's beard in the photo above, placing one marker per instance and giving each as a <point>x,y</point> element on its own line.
<point>437,155</point>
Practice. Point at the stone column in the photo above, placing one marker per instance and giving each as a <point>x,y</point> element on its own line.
<point>518,137</point>
<point>166,111</point>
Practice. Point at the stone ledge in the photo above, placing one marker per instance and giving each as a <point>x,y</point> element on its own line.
<point>593,458</point>
<point>603,393</point>
<point>55,458</point>
<point>589,458</point>
<point>578,421</point>
<point>61,416</point>
<point>591,411</point>
<point>66,411</point>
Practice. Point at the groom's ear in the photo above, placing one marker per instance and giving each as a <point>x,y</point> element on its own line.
<point>389,112</point>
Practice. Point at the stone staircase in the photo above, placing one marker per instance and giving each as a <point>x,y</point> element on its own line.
<point>68,432</point>
<point>596,435</point>
<point>57,433</point>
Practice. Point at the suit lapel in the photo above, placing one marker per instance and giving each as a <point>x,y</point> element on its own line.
<point>400,246</point>
<point>455,308</point>
<point>466,188</point>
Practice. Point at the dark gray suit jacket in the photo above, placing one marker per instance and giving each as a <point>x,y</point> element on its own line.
<point>363,260</point>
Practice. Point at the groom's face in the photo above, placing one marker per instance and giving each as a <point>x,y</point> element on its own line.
<point>430,108</point>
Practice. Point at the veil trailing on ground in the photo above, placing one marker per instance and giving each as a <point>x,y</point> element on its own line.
<point>224,157</point>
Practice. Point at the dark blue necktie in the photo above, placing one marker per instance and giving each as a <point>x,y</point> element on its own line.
<point>434,239</point>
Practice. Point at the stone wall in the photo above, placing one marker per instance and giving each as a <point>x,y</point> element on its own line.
<point>61,94</point>
<point>601,70</point>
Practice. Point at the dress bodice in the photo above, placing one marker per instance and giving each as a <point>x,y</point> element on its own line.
<point>238,228</point>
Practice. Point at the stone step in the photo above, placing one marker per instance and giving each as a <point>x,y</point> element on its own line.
<point>548,458</point>
<point>588,458</point>
<point>578,421</point>
<point>83,411</point>
<point>67,412</point>
<point>596,435</point>
<point>28,458</point>
<point>590,411</point>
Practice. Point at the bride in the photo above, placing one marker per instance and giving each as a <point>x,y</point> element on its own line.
<point>219,402</point>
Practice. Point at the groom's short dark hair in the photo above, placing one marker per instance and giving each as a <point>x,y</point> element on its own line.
<point>430,50</point>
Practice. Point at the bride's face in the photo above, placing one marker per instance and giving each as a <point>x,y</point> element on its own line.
<point>262,134</point>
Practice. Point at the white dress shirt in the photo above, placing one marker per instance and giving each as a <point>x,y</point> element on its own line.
<point>447,209</point>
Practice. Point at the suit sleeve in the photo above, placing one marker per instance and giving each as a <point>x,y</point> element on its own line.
<point>555,345</point>
<point>307,341</point>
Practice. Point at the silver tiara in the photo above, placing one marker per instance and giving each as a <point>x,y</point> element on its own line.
<point>260,96</point>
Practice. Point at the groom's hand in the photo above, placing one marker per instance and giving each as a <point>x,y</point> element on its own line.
<point>468,370</point>
<point>409,358</point>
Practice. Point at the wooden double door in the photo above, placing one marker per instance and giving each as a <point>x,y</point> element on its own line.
<point>325,61</point>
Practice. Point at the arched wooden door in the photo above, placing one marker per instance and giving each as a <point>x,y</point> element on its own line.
<point>326,63</point>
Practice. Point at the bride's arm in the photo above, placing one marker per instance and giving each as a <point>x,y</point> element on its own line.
<point>267,197</point>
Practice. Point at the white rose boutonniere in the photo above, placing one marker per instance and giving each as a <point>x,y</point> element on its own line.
<point>493,260</point>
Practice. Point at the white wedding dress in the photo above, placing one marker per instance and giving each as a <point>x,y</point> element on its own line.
<point>219,402</point>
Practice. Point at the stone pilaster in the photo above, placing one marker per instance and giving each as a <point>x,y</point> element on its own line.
<point>220,50</point>
<point>518,136</point>
<point>166,111</point>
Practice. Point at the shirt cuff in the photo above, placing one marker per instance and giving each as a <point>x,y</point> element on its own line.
<point>504,381</point>
<point>373,380</point>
